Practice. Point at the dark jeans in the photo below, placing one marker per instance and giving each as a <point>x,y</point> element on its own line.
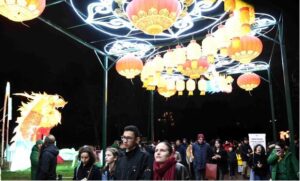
<point>199,174</point>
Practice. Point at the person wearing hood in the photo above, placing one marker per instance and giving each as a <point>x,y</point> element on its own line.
<point>34,158</point>
<point>48,160</point>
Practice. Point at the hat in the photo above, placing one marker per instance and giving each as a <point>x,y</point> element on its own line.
<point>200,135</point>
<point>39,142</point>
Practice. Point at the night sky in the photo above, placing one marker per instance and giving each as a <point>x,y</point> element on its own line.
<point>40,59</point>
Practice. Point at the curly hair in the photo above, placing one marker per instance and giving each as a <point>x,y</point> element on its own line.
<point>90,151</point>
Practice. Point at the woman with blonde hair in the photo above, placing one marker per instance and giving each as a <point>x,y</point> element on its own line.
<point>111,156</point>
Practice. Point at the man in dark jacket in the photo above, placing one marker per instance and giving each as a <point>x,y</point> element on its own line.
<point>48,160</point>
<point>245,153</point>
<point>201,152</point>
<point>134,164</point>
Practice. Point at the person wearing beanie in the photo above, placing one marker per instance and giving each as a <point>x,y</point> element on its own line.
<point>201,153</point>
<point>34,158</point>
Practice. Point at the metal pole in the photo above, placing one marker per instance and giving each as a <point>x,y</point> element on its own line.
<point>272,105</point>
<point>3,127</point>
<point>104,120</point>
<point>286,85</point>
<point>152,115</point>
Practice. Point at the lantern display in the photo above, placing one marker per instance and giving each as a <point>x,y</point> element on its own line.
<point>229,5</point>
<point>222,40</point>
<point>22,10</point>
<point>193,50</point>
<point>209,48</point>
<point>129,66</point>
<point>169,61</point>
<point>180,86</point>
<point>194,69</point>
<point>153,16</point>
<point>179,57</point>
<point>248,81</point>
<point>250,48</point>
<point>202,86</point>
<point>166,92</point>
<point>190,86</point>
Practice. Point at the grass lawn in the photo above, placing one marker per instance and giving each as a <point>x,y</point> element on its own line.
<point>64,169</point>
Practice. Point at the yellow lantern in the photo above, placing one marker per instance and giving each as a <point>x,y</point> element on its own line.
<point>193,50</point>
<point>202,86</point>
<point>22,10</point>
<point>158,64</point>
<point>229,5</point>
<point>166,92</point>
<point>180,86</point>
<point>190,86</point>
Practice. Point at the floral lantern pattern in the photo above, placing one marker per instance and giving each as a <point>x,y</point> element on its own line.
<point>22,10</point>
<point>248,81</point>
<point>153,16</point>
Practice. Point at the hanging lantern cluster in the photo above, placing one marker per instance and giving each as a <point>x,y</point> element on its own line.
<point>22,10</point>
<point>248,81</point>
<point>153,16</point>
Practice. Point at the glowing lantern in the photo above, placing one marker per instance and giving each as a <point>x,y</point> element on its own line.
<point>248,81</point>
<point>209,48</point>
<point>250,48</point>
<point>166,92</point>
<point>129,66</point>
<point>180,86</point>
<point>233,26</point>
<point>179,57</point>
<point>22,10</point>
<point>169,61</point>
<point>194,69</point>
<point>153,16</point>
<point>193,50</point>
<point>171,84</point>
<point>229,5</point>
<point>158,65</point>
<point>222,40</point>
<point>190,86</point>
<point>202,86</point>
<point>284,135</point>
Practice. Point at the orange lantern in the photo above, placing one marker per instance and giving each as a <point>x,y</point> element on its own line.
<point>129,66</point>
<point>248,81</point>
<point>250,47</point>
<point>153,16</point>
<point>22,10</point>
<point>195,68</point>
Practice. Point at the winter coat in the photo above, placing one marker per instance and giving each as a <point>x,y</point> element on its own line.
<point>201,153</point>
<point>262,159</point>
<point>34,159</point>
<point>134,165</point>
<point>245,149</point>
<point>222,162</point>
<point>285,169</point>
<point>47,163</point>
<point>232,158</point>
<point>181,172</point>
<point>90,172</point>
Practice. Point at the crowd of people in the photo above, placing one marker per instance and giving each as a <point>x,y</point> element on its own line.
<point>163,160</point>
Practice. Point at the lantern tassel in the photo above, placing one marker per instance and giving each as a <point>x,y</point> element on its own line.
<point>25,24</point>
<point>131,81</point>
<point>250,93</point>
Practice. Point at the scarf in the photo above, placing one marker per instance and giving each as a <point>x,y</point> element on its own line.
<point>166,170</point>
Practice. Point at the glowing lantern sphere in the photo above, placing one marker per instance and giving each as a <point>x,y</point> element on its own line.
<point>193,50</point>
<point>22,10</point>
<point>166,92</point>
<point>250,47</point>
<point>248,81</point>
<point>190,86</point>
<point>180,86</point>
<point>153,16</point>
<point>129,66</point>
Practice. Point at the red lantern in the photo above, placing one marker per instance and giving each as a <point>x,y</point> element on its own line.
<point>129,66</point>
<point>248,81</point>
<point>248,49</point>
<point>153,16</point>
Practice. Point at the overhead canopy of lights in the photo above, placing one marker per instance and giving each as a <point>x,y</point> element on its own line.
<point>230,46</point>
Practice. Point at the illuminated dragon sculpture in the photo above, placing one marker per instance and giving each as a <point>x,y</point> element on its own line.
<point>38,117</point>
